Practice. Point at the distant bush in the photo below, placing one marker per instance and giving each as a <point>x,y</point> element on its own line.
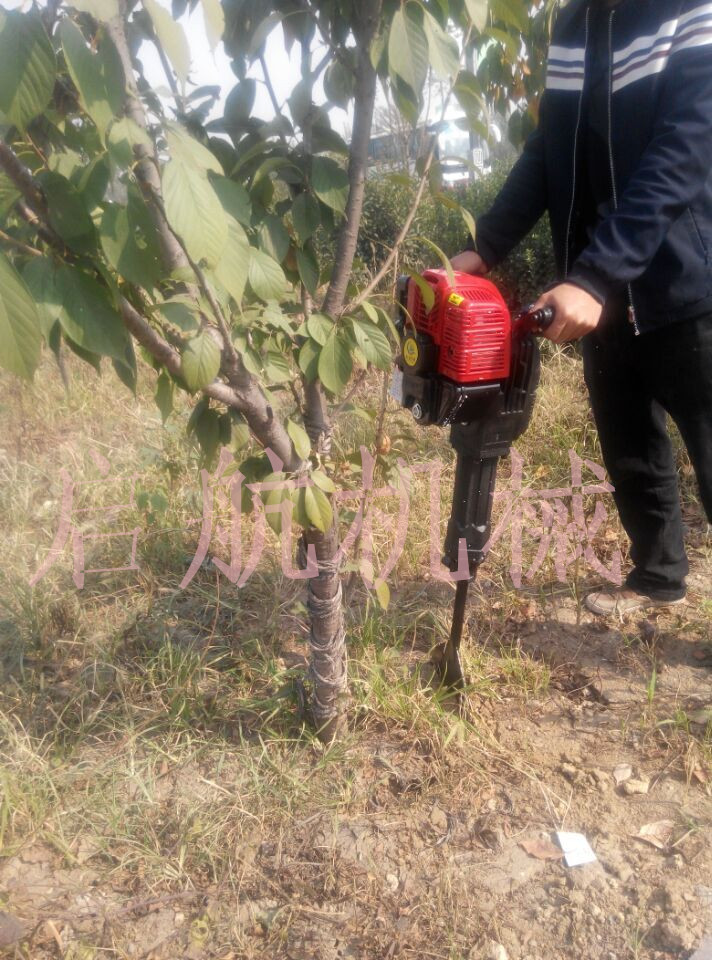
<point>521,278</point>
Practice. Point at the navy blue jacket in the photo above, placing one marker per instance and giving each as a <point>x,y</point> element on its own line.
<point>654,245</point>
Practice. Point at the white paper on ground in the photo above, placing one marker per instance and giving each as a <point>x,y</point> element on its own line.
<point>705,950</point>
<point>577,849</point>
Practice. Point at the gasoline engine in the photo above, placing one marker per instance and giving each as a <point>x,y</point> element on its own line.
<point>466,363</point>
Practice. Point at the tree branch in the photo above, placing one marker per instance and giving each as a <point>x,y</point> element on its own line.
<point>365,99</point>
<point>147,166</point>
<point>19,245</point>
<point>390,259</point>
<point>248,400</point>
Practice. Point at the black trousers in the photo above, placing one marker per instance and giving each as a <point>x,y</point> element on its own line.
<point>633,381</point>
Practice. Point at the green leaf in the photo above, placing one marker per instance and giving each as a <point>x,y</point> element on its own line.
<point>306,216</point>
<point>469,222</point>
<point>164,395</point>
<point>263,30</point>
<point>93,359</point>
<point>339,84</point>
<point>27,67</point>
<point>194,211</point>
<point>129,243</point>
<point>126,369</point>
<point>239,103</point>
<point>200,362</point>
<point>335,363</point>
<point>408,50</point>
<point>68,215</point>
<point>275,498</point>
<point>214,22</point>
<point>88,315</point>
<point>468,92</point>
<point>300,439</point>
<point>94,182</point>
<point>445,260</point>
<point>408,103</point>
<point>309,360</point>
<point>323,482</point>
<point>373,343</point>
<point>443,49</point>
<point>426,291</point>
<point>172,38</point>
<point>121,138</point>
<point>266,276</point>
<point>273,238</point>
<point>319,326</point>
<point>330,183</point>
<point>276,367</point>
<point>378,50</point>
<point>98,76</point>
<point>477,10</point>
<point>184,147</point>
<point>370,311</point>
<point>234,198</point>
<point>20,334</point>
<point>318,508</point>
<point>40,277</point>
<point>180,313</point>
<point>9,195</point>
<point>512,12</point>
<point>383,594</point>
<point>207,432</point>
<point>308,269</point>
<point>234,265</point>
<point>326,140</point>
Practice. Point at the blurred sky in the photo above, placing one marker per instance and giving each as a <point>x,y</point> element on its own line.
<point>209,68</point>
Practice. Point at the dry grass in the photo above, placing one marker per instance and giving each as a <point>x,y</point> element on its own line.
<point>156,732</point>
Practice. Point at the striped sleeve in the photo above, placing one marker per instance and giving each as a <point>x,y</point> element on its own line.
<point>673,169</point>
<point>650,55</point>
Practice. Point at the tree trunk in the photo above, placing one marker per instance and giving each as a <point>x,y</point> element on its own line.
<point>327,669</point>
<point>328,638</point>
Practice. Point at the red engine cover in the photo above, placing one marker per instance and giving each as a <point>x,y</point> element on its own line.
<point>470,324</point>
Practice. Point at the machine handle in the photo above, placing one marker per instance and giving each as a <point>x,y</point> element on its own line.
<point>535,321</point>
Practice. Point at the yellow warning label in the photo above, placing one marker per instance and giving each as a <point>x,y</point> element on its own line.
<point>410,352</point>
<point>455,299</point>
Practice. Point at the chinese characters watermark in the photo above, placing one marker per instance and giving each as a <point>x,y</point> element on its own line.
<point>557,523</point>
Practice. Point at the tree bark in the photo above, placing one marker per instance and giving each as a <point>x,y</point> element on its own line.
<point>328,639</point>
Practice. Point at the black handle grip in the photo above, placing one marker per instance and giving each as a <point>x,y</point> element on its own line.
<point>536,321</point>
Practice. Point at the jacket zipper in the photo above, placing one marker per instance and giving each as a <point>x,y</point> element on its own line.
<point>632,318</point>
<point>576,139</point>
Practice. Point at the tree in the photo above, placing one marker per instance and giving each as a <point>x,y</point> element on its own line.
<point>126,222</point>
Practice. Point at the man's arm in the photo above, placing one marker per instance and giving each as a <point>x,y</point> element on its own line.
<point>515,211</point>
<point>671,174</point>
<point>519,205</point>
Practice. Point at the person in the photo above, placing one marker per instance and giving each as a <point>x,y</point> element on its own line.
<point>621,160</point>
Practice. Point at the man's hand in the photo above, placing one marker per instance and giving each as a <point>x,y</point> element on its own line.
<point>469,262</point>
<point>576,312</point>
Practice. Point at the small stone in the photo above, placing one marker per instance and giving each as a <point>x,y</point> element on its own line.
<point>11,929</point>
<point>495,951</point>
<point>438,820</point>
<point>392,882</point>
<point>631,787</point>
